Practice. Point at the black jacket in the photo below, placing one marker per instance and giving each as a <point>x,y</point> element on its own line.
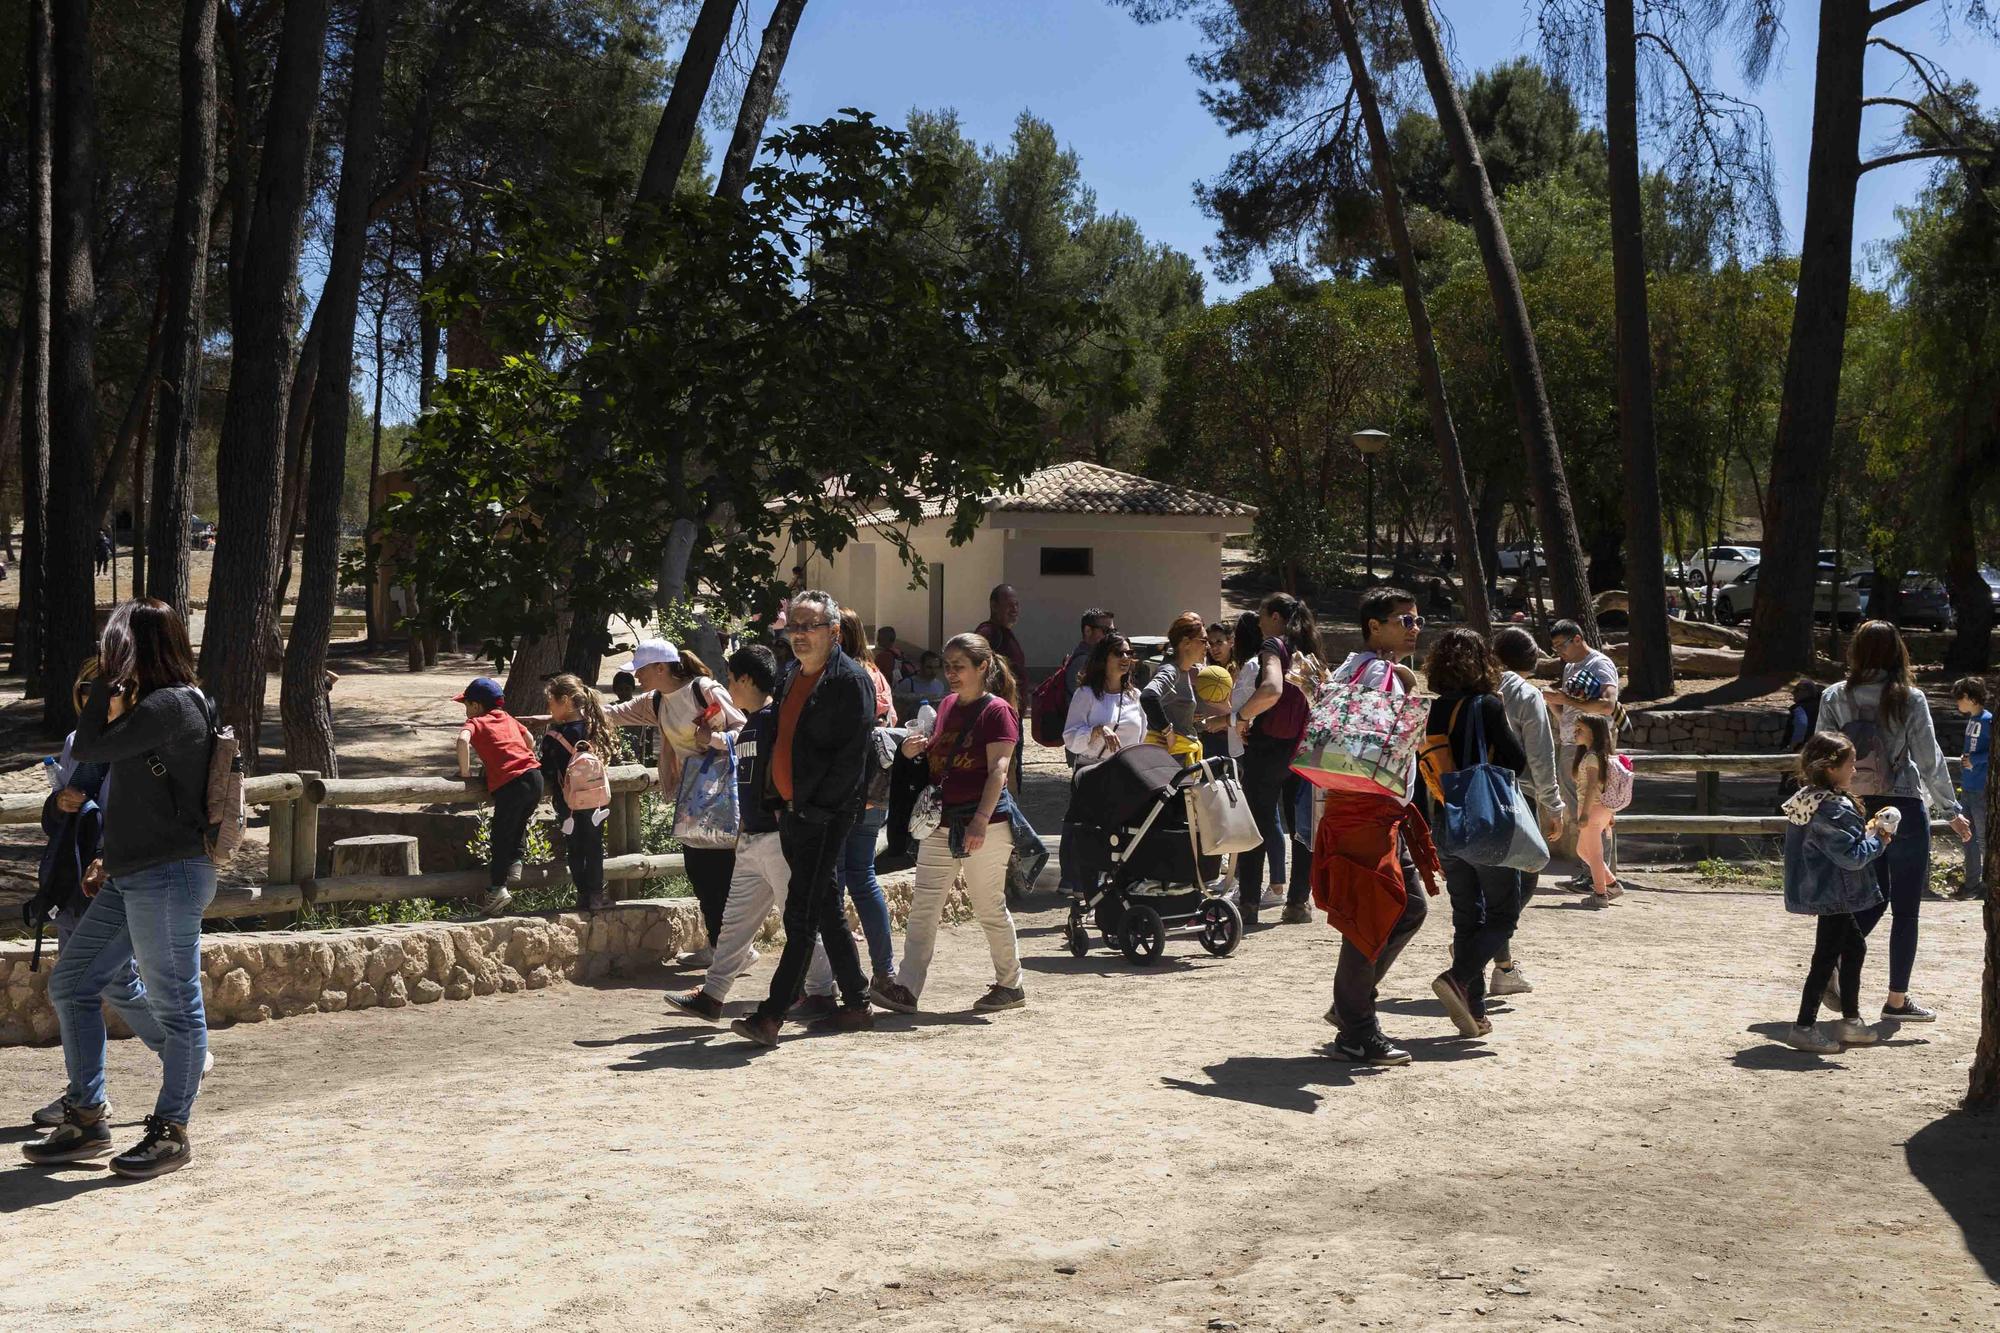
<point>753,742</point>
<point>160,818</point>
<point>830,742</point>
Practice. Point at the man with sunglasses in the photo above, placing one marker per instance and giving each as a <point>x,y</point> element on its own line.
<point>826,717</point>
<point>1097,622</point>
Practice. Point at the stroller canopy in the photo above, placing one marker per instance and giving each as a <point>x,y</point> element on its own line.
<point>1116,792</point>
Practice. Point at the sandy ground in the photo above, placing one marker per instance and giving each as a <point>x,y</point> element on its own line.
<point>1155,1149</point>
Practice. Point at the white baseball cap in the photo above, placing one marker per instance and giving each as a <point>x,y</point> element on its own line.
<point>654,652</point>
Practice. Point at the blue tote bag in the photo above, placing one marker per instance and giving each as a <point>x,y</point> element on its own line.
<point>1487,821</point>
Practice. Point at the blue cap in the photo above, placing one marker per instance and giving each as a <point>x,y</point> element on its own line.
<point>484,690</point>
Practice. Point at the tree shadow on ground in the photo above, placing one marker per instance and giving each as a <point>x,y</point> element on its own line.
<point>32,1186</point>
<point>1287,1083</point>
<point>1953,1157</point>
<point>1106,963</point>
<point>695,1046</point>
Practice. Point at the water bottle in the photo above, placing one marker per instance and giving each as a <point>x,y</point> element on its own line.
<point>49,772</point>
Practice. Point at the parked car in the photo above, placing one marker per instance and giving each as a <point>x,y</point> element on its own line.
<point>1722,564</point>
<point>1925,602</point>
<point>1514,557</point>
<point>1734,600</point>
<point>1992,577</point>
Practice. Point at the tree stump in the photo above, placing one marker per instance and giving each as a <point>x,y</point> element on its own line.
<point>376,854</point>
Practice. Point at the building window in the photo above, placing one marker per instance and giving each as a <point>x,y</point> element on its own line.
<point>1066,561</point>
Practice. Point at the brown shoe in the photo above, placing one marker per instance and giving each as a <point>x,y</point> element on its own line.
<point>757,1028</point>
<point>1297,916</point>
<point>812,1007</point>
<point>846,1018</point>
<point>892,995</point>
<point>699,1003</point>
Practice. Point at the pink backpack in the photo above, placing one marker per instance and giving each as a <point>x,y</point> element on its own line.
<point>586,783</point>
<point>1617,793</point>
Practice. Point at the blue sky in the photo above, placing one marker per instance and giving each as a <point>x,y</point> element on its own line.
<point>1123,97</point>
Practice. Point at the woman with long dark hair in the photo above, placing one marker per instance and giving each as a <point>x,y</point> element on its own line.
<point>1897,760</point>
<point>1271,721</point>
<point>148,720</point>
<point>1485,899</point>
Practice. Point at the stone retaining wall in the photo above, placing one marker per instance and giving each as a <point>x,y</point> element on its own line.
<point>1705,731</point>
<point>252,976</point>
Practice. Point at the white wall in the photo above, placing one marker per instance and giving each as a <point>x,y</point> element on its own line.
<point>1146,577</point>
<point>871,577</point>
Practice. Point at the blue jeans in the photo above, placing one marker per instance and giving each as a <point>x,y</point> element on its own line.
<point>127,996</point>
<point>1902,872</point>
<point>1975,851</point>
<point>855,872</point>
<point>152,916</point>
<point>1031,854</point>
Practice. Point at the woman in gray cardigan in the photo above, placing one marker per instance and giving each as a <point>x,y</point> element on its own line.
<point>1897,764</point>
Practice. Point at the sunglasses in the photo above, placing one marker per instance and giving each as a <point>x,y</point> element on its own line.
<point>1410,620</point>
<point>795,629</point>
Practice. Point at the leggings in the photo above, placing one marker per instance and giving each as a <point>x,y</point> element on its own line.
<point>1263,767</point>
<point>1841,942</point>
<point>584,849</point>
<point>710,869</point>
<point>1901,872</point>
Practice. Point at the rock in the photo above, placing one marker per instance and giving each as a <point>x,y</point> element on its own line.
<point>361,996</point>
<point>426,991</point>
<point>43,1023</point>
<point>256,1013</point>
<point>394,993</point>
<point>458,984</point>
<point>1223,1324</point>
<point>1513,1289</point>
<point>510,981</point>
<point>234,991</point>
<point>1068,1270</point>
<point>537,978</point>
<point>350,964</point>
<point>332,1001</point>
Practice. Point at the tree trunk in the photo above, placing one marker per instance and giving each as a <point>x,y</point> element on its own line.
<point>757,91</point>
<point>139,510</point>
<point>253,426</point>
<point>1970,650</point>
<point>1983,1089</point>
<point>1451,462</point>
<point>138,416</point>
<point>242,117</point>
<point>427,325</point>
<point>300,408</point>
<point>35,309</point>
<point>680,116</point>
<point>369,540</point>
<point>1781,623</point>
<point>303,699</point>
<point>69,589</point>
<point>187,297</point>
<point>1650,669</point>
<point>1553,511</point>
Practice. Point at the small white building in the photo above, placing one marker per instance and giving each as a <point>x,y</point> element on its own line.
<point>1073,536</point>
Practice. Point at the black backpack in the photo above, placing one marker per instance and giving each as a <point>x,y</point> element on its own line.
<point>72,846</point>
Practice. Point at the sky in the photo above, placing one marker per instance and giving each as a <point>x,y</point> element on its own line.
<point>1122,96</point>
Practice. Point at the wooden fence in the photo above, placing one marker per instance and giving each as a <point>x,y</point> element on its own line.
<point>292,802</point>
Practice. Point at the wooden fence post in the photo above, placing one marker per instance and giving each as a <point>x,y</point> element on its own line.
<point>305,833</point>
<point>280,867</point>
<point>1708,801</point>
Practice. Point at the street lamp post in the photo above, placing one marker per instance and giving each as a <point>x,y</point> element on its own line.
<point>1370,443</point>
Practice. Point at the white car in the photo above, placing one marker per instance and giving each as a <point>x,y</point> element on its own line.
<point>1727,563</point>
<point>1734,600</point>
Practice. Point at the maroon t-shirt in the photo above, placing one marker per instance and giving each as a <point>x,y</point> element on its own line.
<point>958,761</point>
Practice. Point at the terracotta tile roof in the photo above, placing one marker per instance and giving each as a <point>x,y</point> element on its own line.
<point>1086,488</point>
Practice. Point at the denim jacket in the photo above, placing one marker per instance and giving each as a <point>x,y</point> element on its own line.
<point>1828,851</point>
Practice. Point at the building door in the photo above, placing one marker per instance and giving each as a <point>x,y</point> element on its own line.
<point>934,580</point>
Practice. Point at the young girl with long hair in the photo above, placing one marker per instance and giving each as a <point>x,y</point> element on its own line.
<point>576,717</point>
<point>1830,852</point>
<point>1589,768</point>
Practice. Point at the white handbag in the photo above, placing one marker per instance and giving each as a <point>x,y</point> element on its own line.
<point>1223,821</point>
<point>927,814</point>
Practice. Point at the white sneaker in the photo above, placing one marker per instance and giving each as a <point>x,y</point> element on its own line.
<point>207,1062</point>
<point>1508,981</point>
<point>1854,1032</point>
<point>495,902</point>
<point>1807,1037</point>
<point>697,958</point>
<point>750,962</point>
<point>1274,897</point>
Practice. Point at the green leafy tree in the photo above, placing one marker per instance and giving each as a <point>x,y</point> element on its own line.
<point>810,361</point>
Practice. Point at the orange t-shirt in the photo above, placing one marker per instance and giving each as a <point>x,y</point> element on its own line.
<point>503,746</point>
<point>788,721</point>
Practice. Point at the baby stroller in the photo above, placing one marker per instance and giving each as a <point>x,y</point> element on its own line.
<point>1132,836</point>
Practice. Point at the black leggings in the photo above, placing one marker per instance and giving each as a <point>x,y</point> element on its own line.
<point>583,847</point>
<point>1263,767</point>
<point>710,869</point>
<point>1841,942</point>
<point>513,806</point>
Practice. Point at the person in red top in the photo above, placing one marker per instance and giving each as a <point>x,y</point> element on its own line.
<point>513,779</point>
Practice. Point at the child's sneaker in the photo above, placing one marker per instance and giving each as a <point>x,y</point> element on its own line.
<point>1807,1037</point>
<point>1854,1032</point>
<point>495,901</point>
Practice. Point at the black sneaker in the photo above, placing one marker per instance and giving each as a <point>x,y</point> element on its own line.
<point>83,1134</point>
<point>699,1003</point>
<point>1370,1048</point>
<point>1911,1012</point>
<point>164,1148</point>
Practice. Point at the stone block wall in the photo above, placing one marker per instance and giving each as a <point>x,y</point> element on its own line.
<point>254,976</point>
<point>1705,731</point>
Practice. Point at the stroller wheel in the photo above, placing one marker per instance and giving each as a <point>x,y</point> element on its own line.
<point>1221,927</point>
<point>1078,935</point>
<point>1144,935</point>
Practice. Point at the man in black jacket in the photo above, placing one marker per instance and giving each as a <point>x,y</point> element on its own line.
<point>826,714</point>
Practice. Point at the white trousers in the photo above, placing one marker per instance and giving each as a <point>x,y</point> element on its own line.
<point>985,883</point>
<point>760,885</point>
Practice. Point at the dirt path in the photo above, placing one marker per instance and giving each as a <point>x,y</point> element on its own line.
<point>1136,1150</point>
